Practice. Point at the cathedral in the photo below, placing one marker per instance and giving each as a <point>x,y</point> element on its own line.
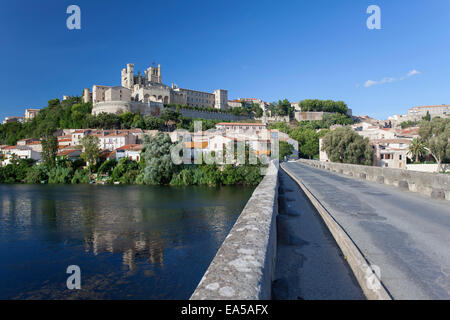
<point>147,94</point>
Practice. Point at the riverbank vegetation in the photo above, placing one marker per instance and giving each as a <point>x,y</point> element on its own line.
<point>154,168</point>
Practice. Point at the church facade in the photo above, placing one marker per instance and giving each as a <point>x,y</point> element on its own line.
<point>147,94</point>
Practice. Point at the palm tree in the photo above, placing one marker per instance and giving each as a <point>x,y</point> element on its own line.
<point>417,149</point>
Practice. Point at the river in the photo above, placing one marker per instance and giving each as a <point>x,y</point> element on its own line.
<point>130,242</point>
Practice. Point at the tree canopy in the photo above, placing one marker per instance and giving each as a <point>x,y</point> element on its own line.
<point>435,135</point>
<point>323,105</point>
<point>346,146</point>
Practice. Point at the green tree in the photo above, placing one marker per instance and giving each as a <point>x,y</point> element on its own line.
<point>285,150</point>
<point>91,150</point>
<point>158,162</point>
<point>37,174</point>
<point>417,149</point>
<point>49,150</point>
<point>308,142</point>
<point>346,146</point>
<point>435,135</point>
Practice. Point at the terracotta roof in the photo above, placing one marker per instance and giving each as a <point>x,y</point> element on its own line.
<point>63,153</point>
<point>123,134</point>
<point>260,152</point>
<point>8,147</point>
<point>34,142</point>
<point>64,140</point>
<point>132,147</point>
<point>196,145</point>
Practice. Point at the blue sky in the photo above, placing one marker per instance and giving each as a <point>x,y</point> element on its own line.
<point>267,49</point>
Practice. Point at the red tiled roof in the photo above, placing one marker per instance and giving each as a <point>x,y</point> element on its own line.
<point>133,147</point>
<point>34,142</point>
<point>66,152</point>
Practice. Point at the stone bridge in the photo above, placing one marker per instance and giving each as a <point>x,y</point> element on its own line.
<point>315,230</point>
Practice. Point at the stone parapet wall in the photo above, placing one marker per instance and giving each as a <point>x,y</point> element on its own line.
<point>244,265</point>
<point>435,185</point>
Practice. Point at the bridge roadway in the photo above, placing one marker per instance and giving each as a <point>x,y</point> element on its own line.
<point>406,234</point>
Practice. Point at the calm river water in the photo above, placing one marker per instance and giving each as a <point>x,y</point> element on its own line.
<point>130,242</point>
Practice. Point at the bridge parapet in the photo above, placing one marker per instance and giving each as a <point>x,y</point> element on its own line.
<point>435,185</point>
<point>244,265</point>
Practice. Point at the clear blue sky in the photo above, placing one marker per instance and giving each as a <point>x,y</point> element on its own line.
<point>267,49</point>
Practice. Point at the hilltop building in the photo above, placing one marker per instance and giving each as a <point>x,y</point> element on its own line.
<point>147,94</point>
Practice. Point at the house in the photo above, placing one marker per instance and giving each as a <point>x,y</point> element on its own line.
<point>65,140</point>
<point>115,140</point>
<point>390,153</point>
<point>70,154</point>
<point>130,151</point>
<point>22,152</point>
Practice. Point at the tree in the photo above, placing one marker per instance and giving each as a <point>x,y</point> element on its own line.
<point>285,150</point>
<point>346,146</point>
<point>427,117</point>
<point>49,150</point>
<point>91,150</point>
<point>435,135</point>
<point>323,105</point>
<point>308,142</point>
<point>158,162</point>
<point>417,149</point>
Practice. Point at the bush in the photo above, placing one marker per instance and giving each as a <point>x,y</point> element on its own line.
<point>81,176</point>
<point>60,175</point>
<point>37,174</point>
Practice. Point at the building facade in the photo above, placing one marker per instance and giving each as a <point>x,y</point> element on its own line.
<point>146,93</point>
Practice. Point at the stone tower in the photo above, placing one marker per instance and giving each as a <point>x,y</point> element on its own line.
<point>154,74</point>
<point>128,76</point>
<point>87,96</point>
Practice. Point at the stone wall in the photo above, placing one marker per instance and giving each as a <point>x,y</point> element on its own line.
<point>435,185</point>
<point>188,113</point>
<point>244,265</point>
<point>118,107</point>
<point>310,115</point>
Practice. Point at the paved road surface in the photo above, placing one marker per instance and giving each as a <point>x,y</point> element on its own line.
<point>309,263</point>
<point>404,233</point>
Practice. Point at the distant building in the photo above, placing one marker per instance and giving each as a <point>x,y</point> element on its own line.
<point>147,94</point>
<point>31,114</point>
<point>12,119</point>
<point>390,153</point>
<point>22,152</point>
<point>434,111</point>
<point>129,151</point>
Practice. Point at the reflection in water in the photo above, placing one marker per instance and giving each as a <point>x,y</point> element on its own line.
<point>131,242</point>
